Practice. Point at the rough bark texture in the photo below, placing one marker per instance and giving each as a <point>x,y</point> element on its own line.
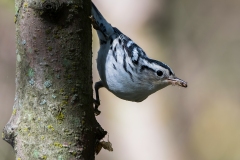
<point>53,116</point>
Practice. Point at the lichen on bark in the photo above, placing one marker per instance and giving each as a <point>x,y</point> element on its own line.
<point>52,115</point>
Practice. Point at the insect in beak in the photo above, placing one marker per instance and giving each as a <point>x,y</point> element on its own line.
<point>177,81</point>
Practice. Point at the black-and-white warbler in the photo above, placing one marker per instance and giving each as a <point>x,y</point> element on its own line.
<point>124,68</point>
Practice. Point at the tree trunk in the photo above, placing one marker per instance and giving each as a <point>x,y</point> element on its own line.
<point>52,115</point>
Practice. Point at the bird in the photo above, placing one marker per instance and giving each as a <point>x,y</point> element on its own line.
<point>124,68</point>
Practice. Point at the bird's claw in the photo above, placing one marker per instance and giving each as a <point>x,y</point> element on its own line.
<point>96,112</point>
<point>97,104</point>
<point>94,23</point>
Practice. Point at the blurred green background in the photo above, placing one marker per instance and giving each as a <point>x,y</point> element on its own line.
<point>200,41</point>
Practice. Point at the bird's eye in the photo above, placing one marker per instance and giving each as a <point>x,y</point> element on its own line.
<point>159,73</point>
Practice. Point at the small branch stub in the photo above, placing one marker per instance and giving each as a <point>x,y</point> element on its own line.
<point>8,135</point>
<point>45,5</point>
<point>51,5</point>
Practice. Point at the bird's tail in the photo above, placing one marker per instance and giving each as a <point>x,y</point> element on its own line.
<point>104,29</point>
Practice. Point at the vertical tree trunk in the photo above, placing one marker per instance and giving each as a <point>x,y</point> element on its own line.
<point>52,115</point>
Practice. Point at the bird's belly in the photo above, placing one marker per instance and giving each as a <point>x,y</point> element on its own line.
<point>128,92</point>
<point>124,86</point>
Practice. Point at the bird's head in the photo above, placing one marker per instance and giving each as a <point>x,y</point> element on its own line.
<point>160,75</point>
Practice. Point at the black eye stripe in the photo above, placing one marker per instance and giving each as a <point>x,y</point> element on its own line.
<point>160,64</point>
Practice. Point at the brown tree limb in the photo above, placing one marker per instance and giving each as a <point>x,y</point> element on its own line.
<point>52,115</point>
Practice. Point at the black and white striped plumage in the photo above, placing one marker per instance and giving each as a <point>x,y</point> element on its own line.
<point>124,68</point>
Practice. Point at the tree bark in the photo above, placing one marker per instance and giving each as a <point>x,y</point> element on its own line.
<point>52,115</point>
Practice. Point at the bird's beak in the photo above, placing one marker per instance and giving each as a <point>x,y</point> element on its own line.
<point>177,81</point>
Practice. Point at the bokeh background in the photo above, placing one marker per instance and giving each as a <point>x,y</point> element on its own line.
<point>200,40</point>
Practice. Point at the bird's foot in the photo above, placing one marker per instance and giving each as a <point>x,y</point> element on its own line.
<point>96,105</point>
<point>94,23</point>
<point>96,112</point>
